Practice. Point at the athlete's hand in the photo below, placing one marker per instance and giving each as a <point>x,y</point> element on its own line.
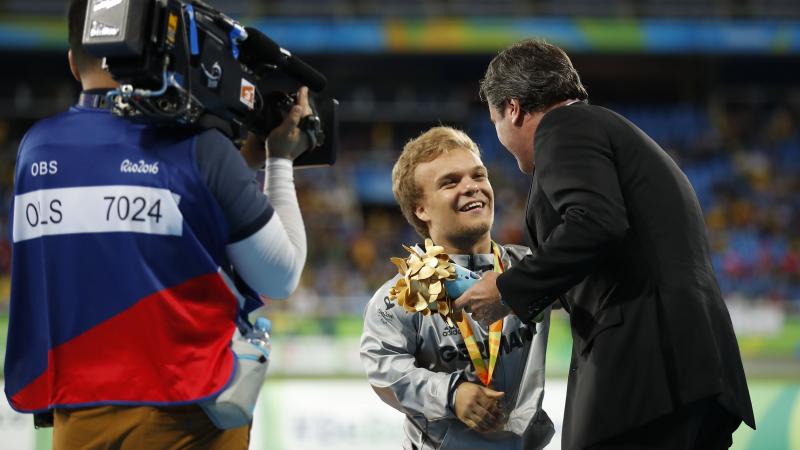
<point>478,407</point>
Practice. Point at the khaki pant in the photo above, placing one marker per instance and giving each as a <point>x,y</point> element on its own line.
<point>142,428</point>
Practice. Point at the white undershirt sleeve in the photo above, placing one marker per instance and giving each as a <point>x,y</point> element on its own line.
<point>271,260</point>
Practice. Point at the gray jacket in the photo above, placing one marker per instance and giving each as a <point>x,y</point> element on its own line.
<point>413,364</point>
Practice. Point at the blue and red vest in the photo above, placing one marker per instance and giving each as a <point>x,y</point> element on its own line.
<point>116,296</point>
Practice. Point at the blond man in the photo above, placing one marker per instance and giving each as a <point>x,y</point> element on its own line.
<point>420,365</point>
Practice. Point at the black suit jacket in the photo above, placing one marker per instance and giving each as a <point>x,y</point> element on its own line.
<point>616,232</point>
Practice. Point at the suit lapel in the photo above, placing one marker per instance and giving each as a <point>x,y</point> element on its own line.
<point>530,217</point>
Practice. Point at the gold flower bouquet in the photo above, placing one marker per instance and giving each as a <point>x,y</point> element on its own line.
<point>421,288</point>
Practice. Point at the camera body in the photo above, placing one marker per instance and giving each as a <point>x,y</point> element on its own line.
<point>183,62</point>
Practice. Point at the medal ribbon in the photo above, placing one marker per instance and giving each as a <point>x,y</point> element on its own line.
<point>495,333</point>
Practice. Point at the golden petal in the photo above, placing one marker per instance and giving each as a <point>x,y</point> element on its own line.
<point>421,303</point>
<point>435,250</point>
<point>415,267</point>
<point>435,288</point>
<point>411,250</point>
<point>428,244</point>
<point>401,296</point>
<point>426,272</point>
<point>426,312</point>
<point>444,307</point>
<point>402,267</point>
<point>442,273</point>
<point>431,261</point>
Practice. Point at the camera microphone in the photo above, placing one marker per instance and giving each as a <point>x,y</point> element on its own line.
<point>259,49</point>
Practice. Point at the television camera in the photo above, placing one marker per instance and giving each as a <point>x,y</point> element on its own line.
<point>183,62</point>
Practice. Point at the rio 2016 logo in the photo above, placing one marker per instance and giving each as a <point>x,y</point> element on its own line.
<point>138,167</point>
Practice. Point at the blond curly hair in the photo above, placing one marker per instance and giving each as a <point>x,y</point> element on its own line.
<point>424,148</point>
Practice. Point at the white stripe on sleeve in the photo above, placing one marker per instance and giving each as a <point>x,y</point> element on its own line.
<point>271,260</point>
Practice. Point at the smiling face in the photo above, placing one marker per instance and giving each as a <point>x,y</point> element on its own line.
<point>515,131</point>
<point>457,201</point>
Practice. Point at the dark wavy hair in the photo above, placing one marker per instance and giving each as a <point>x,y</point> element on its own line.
<point>534,72</point>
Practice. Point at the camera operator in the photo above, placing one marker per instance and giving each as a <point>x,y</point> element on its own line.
<point>121,309</point>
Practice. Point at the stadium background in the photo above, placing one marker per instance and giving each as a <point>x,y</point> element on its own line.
<point>715,82</point>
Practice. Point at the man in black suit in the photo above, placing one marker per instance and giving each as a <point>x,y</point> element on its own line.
<point>618,237</point>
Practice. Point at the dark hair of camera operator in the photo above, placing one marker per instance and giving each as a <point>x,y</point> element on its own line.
<point>126,239</point>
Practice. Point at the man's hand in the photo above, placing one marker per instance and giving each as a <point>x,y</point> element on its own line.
<point>482,299</point>
<point>478,407</point>
<point>287,140</point>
